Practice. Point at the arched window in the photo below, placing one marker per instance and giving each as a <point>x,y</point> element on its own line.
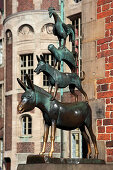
<point>26,125</point>
<point>8,37</point>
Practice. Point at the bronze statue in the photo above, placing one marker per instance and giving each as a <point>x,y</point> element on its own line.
<point>65,116</point>
<point>63,54</point>
<point>60,29</point>
<point>59,79</point>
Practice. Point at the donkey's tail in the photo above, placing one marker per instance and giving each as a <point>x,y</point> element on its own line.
<point>83,76</point>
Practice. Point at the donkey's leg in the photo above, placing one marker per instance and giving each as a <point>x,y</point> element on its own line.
<point>46,132</point>
<point>93,137</point>
<point>71,88</point>
<point>53,131</point>
<point>86,137</point>
<point>55,93</point>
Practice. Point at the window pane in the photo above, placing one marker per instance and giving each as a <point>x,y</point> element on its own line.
<point>52,61</point>
<point>29,131</point>
<point>26,125</point>
<point>26,66</point>
<point>75,145</point>
<point>23,61</point>
<point>46,57</point>
<point>30,60</point>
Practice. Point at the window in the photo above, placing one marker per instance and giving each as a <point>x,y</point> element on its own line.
<point>76,144</point>
<point>77,1</point>
<point>26,66</point>
<point>77,46</point>
<point>1,154</point>
<point>26,125</point>
<point>49,59</point>
<point>1,53</point>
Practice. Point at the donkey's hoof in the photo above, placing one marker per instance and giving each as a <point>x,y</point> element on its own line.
<point>96,156</point>
<point>88,156</point>
<point>41,153</point>
<point>50,154</point>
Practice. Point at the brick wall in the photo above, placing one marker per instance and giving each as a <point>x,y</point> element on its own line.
<point>25,147</point>
<point>8,66</point>
<point>48,147</point>
<point>8,123</point>
<point>105,85</point>
<point>25,5</point>
<point>1,73</point>
<point>1,26</point>
<point>46,4</point>
<point>8,7</point>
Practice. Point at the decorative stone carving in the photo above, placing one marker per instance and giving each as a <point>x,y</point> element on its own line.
<point>47,28</point>
<point>8,37</point>
<point>25,32</point>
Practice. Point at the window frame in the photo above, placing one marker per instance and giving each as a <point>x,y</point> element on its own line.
<point>27,68</point>
<point>26,116</point>
<point>76,132</point>
<point>78,41</point>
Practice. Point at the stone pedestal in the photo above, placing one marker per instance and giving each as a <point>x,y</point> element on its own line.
<point>35,162</point>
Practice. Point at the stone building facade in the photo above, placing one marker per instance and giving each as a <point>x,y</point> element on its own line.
<point>25,31</point>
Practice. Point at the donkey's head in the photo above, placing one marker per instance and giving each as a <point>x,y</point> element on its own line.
<point>41,66</point>
<point>28,99</point>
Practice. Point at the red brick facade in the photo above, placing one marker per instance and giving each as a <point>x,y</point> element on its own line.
<point>1,30</point>
<point>8,66</point>
<point>105,85</point>
<point>48,147</point>
<point>46,4</point>
<point>25,147</point>
<point>25,5</point>
<point>1,73</point>
<point>8,123</point>
<point>8,7</point>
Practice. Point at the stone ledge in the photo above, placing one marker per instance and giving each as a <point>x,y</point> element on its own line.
<point>65,167</point>
<point>37,159</point>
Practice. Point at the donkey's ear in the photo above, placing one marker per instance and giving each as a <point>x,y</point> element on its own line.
<point>29,82</point>
<point>42,58</point>
<point>22,84</point>
<point>38,59</point>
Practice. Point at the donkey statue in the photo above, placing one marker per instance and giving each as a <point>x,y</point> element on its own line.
<point>59,79</point>
<point>65,116</point>
<point>63,54</point>
<point>60,29</point>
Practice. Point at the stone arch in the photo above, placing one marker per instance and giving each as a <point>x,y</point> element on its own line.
<point>26,32</point>
<point>47,28</point>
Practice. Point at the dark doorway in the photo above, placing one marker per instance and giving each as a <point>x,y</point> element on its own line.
<point>7,162</point>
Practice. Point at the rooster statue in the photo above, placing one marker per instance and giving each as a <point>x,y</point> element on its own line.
<point>60,29</point>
